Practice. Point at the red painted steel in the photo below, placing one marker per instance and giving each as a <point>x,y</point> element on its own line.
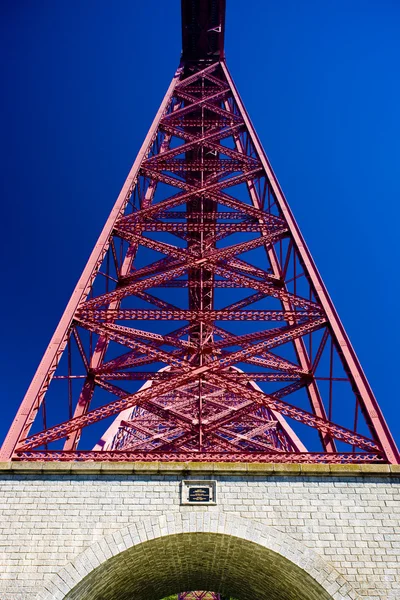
<point>202,287</point>
<point>199,596</point>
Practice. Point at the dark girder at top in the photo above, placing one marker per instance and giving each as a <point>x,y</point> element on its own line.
<point>200,329</point>
<point>203,30</point>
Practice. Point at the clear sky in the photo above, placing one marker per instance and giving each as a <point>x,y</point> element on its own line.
<point>82,80</point>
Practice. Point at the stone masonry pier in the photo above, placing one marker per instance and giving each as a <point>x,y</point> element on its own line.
<point>108,531</point>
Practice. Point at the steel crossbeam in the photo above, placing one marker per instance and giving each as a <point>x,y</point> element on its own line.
<point>201,235</point>
<point>211,457</point>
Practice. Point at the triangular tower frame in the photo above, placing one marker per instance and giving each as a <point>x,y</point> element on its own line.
<point>215,391</point>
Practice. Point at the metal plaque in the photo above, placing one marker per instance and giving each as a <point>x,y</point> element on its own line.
<point>198,492</point>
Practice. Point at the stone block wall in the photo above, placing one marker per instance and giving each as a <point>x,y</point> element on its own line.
<point>347,515</point>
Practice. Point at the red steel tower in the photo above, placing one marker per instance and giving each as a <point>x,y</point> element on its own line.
<point>200,329</point>
<point>199,596</point>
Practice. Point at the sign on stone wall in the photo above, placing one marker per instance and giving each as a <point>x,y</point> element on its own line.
<point>198,492</point>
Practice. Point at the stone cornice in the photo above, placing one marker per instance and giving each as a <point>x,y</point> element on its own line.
<point>199,468</point>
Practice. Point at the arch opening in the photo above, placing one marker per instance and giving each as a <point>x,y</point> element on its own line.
<point>229,565</point>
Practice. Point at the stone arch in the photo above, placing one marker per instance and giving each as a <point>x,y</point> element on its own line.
<point>159,556</point>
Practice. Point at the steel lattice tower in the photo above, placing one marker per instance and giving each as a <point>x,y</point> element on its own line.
<point>199,596</point>
<point>202,288</point>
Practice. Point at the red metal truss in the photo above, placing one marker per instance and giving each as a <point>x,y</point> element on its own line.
<point>202,287</point>
<point>199,596</point>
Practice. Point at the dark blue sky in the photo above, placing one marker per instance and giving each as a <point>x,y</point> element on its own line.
<point>82,81</point>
